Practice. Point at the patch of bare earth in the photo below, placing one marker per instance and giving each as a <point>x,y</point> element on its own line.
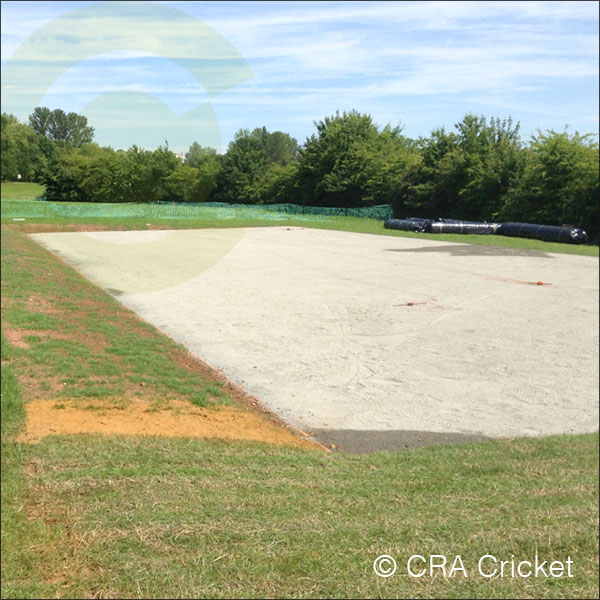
<point>137,413</point>
<point>140,417</point>
<point>38,304</point>
<point>16,337</point>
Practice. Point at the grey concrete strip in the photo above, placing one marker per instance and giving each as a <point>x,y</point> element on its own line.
<point>335,330</point>
<point>364,442</point>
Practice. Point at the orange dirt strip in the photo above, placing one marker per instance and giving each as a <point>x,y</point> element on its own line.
<point>138,417</point>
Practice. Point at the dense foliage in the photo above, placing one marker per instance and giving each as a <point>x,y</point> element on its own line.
<point>480,171</point>
<point>253,167</point>
<point>68,129</point>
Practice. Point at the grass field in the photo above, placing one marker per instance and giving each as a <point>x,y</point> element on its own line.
<point>358,225</point>
<point>134,517</point>
<point>22,190</point>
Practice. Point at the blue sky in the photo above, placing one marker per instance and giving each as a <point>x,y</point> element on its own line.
<point>187,71</point>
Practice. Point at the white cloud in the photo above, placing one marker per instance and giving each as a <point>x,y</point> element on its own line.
<point>472,37</point>
<point>310,58</point>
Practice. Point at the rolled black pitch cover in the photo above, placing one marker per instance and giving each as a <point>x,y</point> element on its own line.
<point>547,233</point>
<point>415,225</point>
<point>454,226</point>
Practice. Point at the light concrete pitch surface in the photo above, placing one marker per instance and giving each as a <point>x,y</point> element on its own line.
<point>343,331</point>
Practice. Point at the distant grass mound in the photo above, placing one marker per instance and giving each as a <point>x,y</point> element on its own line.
<point>19,190</point>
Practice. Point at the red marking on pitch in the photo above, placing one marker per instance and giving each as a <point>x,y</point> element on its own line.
<point>520,281</point>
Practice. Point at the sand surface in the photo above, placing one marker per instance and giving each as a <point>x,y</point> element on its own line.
<point>337,331</point>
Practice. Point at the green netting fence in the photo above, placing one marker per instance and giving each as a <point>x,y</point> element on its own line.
<point>30,209</point>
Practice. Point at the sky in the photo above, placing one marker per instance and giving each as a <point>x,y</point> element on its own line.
<point>148,72</point>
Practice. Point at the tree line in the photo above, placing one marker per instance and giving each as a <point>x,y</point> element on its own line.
<point>481,170</point>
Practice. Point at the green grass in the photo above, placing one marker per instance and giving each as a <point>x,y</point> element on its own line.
<point>13,414</point>
<point>351,224</point>
<point>186,518</point>
<point>92,355</point>
<point>91,516</point>
<point>372,226</point>
<point>21,536</point>
<point>17,190</point>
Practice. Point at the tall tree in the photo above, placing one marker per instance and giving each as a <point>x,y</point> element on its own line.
<point>197,154</point>
<point>345,163</point>
<point>21,156</point>
<point>248,163</point>
<point>152,168</point>
<point>559,184</point>
<point>199,184</point>
<point>465,174</point>
<point>69,129</point>
<point>40,120</point>
<point>332,162</point>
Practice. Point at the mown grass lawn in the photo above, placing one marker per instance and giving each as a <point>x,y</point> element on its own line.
<point>19,190</point>
<point>135,517</point>
<point>131,517</point>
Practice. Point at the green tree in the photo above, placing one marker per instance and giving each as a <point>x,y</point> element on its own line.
<point>335,163</point>
<point>20,151</point>
<point>559,184</point>
<point>424,193</point>
<point>488,162</point>
<point>197,155</point>
<point>280,148</point>
<point>108,176</point>
<point>152,168</point>
<point>207,163</point>
<point>464,174</point>
<point>192,184</point>
<point>393,158</point>
<point>69,129</point>
<point>248,162</point>
<point>277,185</point>
<point>40,119</point>
<point>64,180</point>
<point>350,163</point>
<point>181,184</point>
<point>95,174</point>
<point>46,152</point>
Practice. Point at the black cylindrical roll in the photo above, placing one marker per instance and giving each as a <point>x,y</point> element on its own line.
<point>548,233</point>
